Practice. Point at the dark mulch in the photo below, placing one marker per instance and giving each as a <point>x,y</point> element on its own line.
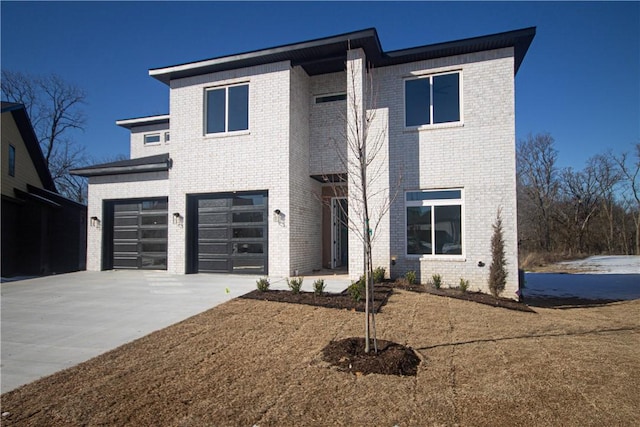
<point>467,296</point>
<point>341,301</point>
<point>391,359</point>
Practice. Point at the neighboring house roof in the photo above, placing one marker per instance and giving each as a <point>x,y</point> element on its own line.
<point>143,121</point>
<point>328,55</point>
<point>160,162</point>
<point>20,116</point>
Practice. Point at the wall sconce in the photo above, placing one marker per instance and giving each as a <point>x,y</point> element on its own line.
<point>177,218</point>
<point>481,264</point>
<point>393,259</point>
<point>94,221</point>
<point>278,217</point>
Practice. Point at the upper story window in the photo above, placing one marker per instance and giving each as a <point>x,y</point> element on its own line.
<point>12,160</point>
<point>152,138</point>
<point>432,99</point>
<point>227,109</point>
<point>321,99</point>
<point>434,222</point>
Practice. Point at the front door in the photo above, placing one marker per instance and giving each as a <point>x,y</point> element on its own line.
<point>339,232</point>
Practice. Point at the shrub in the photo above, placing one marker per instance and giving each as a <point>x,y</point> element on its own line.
<point>378,274</point>
<point>464,285</point>
<point>263,284</point>
<point>356,289</point>
<point>497,271</point>
<point>410,276</point>
<point>295,283</point>
<point>318,286</point>
<point>437,280</point>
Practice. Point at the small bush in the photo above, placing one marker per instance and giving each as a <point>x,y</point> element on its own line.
<point>437,280</point>
<point>295,283</point>
<point>318,286</point>
<point>356,289</point>
<point>464,285</point>
<point>378,274</point>
<point>411,277</point>
<point>263,284</point>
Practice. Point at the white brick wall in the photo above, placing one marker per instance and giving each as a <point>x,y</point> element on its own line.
<point>478,156</point>
<point>139,149</point>
<point>101,188</point>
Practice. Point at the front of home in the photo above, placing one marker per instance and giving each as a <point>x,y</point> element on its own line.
<point>247,173</point>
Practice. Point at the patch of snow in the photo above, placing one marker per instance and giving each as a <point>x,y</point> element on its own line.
<point>618,264</point>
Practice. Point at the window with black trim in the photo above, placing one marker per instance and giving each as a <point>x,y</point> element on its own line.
<point>12,160</point>
<point>321,99</point>
<point>227,109</point>
<point>434,222</point>
<point>153,138</point>
<point>432,100</point>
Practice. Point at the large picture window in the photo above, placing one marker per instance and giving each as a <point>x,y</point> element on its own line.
<point>227,109</point>
<point>432,100</point>
<point>434,222</point>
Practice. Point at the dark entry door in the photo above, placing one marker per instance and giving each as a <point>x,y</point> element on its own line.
<point>228,233</point>
<point>137,234</point>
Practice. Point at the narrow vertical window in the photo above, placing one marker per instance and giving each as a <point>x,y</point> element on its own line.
<point>12,160</point>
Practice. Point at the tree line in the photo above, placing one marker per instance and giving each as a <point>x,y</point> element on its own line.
<point>562,211</point>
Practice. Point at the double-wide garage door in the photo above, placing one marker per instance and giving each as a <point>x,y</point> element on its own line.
<point>228,233</point>
<point>137,234</point>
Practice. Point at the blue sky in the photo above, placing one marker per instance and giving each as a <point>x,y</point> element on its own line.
<point>579,81</point>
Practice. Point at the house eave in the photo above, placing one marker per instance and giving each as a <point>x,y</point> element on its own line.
<point>143,121</point>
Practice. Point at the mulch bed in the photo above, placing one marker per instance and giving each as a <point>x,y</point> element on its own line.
<point>467,296</point>
<point>391,359</point>
<point>341,301</point>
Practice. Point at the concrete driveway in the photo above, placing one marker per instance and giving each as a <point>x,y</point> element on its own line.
<point>55,322</point>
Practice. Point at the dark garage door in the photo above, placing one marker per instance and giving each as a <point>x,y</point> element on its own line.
<point>228,233</point>
<point>138,234</point>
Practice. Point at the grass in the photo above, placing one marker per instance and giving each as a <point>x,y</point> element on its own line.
<point>250,362</point>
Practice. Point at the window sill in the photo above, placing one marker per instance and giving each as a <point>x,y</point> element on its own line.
<point>454,258</point>
<point>226,134</point>
<point>433,127</point>
<point>152,144</point>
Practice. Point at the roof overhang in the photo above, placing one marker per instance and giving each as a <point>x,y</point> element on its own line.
<point>161,162</point>
<point>328,55</point>
<point>143,121</point>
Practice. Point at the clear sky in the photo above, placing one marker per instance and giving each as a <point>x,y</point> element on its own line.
<point>580,80</point>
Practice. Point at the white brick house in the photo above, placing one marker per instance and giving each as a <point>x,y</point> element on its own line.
<point>233,179</point>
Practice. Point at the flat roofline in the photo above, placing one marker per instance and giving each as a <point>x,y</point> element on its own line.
<point>143,121</point>
<point>328,54</point>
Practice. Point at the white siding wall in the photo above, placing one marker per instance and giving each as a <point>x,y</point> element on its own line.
<point>478,156</point>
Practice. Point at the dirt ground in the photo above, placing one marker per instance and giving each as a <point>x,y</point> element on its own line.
<point>250,362</point>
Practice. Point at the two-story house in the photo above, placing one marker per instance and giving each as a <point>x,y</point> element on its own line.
<point>240,176</point>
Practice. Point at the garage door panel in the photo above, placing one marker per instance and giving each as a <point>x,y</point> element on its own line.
<point>139,232</point>
<point>229,233</point>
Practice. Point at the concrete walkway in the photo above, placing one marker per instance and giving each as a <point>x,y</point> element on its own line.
<point>55,322</point>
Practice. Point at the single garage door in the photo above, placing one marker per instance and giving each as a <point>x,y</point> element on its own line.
<point>137,234</point>
<point>228,233</point>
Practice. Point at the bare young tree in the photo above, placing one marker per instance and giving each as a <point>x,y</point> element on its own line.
<point>607,178</point>
<point>55,109</point>
<point>364,161</point>
<point>581,204</point>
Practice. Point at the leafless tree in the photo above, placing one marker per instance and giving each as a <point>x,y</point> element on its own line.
<point>607,178</point>
<point>538,182</point>
<point>55,109</point>
<point>581,204</point>
<point>365,166</point>
<point>630,172</point>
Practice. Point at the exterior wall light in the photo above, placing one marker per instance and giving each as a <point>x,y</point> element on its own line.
<point>94,221</point>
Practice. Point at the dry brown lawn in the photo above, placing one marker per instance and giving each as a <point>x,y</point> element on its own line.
<point>251,362</point>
